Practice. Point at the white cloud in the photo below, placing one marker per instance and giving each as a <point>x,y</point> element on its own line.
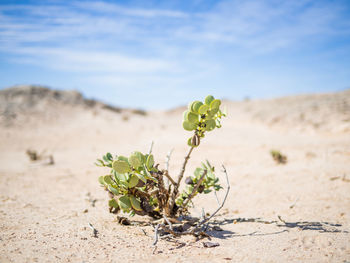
<point>91,61</point>
<point>131,46</point>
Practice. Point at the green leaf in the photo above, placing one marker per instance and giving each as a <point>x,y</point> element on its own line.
<point>108,179</point>
<point>123,177</point>
<point>134,180</point>
<point>141,177</point>
<point>198,172</point>
<point>203,109</point>
<point>135,161</point>
<point>121,166</point>
<point>191,105</point>
<point>191,117</point>
<point>122,158</point>
<point>215,104</point>
<point>99,163</point>
<point>124,202</point>
<point>113,203</point>
<point>196,106</point>
<point>150,161</point>
<point>113,190</point>
<point>209,99</point>
<point>210,125</point>
<point>148,174</point>
<point>109,156</point>
<point>189,142</point>
<point>188,126</point>
<point>100,179</point>
<point>212,112</point>
<point>135,203</point>
<point>105,158</point>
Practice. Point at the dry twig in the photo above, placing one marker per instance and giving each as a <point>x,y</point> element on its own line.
<point>193,191</point>
<point>176,186</point>
<point>94,230</point>
<point>223,201</point>
<point>168,159</point>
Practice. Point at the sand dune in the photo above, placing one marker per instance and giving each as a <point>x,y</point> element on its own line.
<point>297,212</point>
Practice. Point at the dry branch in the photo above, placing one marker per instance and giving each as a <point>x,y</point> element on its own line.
<point>168,159</point>
<point>193,191</point>
<point>176,186</point>
<point>166,174</point>
<point>223,201</point>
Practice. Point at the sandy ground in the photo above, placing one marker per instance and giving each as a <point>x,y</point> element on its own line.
<point>45,211</point>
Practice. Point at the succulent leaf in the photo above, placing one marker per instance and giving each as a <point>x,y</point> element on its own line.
<point>121,166</point>
<point>196,106</point>
<point>134,180</point>
<point>101,181</point>
<point>215,104</point>
<point>189,142</point>
<point>124,202</point>
<point>109,156</point>
<point>135,161</point>
<point>113,190</point>
<point>188,126</point>
<point>208,99</point>
<point>210,125</point>
<point>191,117</point>
<point>135,203</point>
<point>113,203</point>
<point>141,177</point>
<point>150,161</point>
<point>122,158</point>
<point>191,105</point>
<point>203,109</point>
<point>107,179</point>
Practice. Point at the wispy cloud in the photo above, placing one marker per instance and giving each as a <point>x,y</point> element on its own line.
<point>162,45</point>
<point>91,61</point>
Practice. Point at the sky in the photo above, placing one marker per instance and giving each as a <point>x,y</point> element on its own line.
<point>162,54</point>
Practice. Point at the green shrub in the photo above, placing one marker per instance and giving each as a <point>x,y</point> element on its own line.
<point>136,184</point>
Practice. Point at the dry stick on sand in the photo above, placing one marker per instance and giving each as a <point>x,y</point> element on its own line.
<point>196,231</point>
<point>94,230</point>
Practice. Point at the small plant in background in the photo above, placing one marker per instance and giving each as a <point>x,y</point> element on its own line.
<point>278,157</point>
<point>137,185</point>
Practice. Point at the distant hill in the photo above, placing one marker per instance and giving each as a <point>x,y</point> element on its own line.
<point>31,100</point>
<point>325,112</point>
<point>328,112</point>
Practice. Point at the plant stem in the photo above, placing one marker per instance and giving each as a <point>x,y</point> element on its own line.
<point>177,185</point>
<point>193,191</point>
<point>184,167</point>
<point>166,174</point>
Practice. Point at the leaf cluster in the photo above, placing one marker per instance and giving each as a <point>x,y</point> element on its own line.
<point>201,117</point>
<point>129,182</point>
<point>209,183</point>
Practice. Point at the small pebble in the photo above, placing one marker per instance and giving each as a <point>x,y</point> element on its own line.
<point>210,244</point>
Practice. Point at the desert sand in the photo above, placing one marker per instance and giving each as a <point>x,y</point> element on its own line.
<point>296,212</point>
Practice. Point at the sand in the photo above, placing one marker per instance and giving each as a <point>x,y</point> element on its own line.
<point>297,212</point>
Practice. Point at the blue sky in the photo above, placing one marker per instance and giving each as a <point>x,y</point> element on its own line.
<point>161,54</point>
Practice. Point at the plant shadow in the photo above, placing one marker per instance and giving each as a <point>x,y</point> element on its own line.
<point>321,227</point>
